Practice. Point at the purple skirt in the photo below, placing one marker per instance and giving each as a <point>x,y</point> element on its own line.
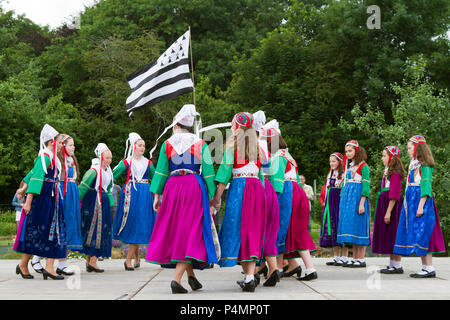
<point>272,221</point>
<point>178,232</point>
<point>437,243</point>
<point>383,239</point>
<point>328,232</point>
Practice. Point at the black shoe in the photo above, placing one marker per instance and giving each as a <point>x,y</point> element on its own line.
<point>249,286</point>
<point>37,270</point>
<point>297,270</point>
<point>90,268</point>
<point>392,270</point>
<point>62,272</point>
<point>285,268</point>
<point>126,267</point>
<point>240,283</point>
<point>257,279</point>
<point>263,271</point>
<point>308,277</point>
<point>137,265</point>
<point>25,276</point>
<point>358,264</point>
<point>348,263</point>
<point>47,274</point>
<point>331,263</point>
<point>273,279</point>
<point>177,288</point>
<point>428,274</point>
<point>194,283</point>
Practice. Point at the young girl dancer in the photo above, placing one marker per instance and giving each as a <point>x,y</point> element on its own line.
<point>330,214</point>
<point>241,235</point>
<point>184,232</point>
<point>135,216</point>
<point>419,230</point>
<point>293,238</point>
<point>70,198</point>
<point>388,209</point>
<point>97,200</point>
<point>41,229</point>
<point>270,252</point>
<point>354,218</point>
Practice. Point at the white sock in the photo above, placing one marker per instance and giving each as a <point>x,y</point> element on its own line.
<point>344,259</point>
<point>361,260</point>
<point>308,271</point>
<point>36,259</point>
<point>428,268</point>
<point>336,258</point>
<point>249,277</point>
<point>391,263</point>
<point>62,264</point>
<point>396,264</point>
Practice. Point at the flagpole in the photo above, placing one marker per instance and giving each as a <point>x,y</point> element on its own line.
<point>192,62</point>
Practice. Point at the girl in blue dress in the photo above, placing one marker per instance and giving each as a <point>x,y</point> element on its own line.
<point>70,198</point>
<point>354,218</point>
<point>97,199</point>
<point>419,230</point>
<point>135,216</point>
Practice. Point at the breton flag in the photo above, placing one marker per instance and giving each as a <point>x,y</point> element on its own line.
<point>162,79</point>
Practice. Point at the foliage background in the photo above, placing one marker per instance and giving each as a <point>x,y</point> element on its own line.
<point>313,65</point>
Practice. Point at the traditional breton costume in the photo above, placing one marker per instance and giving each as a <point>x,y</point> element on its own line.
<point>241,235</point>
<point>294,211</point>
<point>135,216</point>
<point>353,227</point>
<point>71,200</point>
<point>419,235</point>
<point>383,239</point>
<point>184,230</point>
<point>330,213</point>
<point>42,231</point>
<point>97,200</point>
<point>272,210</point>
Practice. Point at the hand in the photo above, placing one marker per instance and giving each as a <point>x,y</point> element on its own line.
<point>387,218</point>
<point>419,212</point>
<point>215,203</point>
<point>361,208</point>
<point>27,207</point>
<point>157,204</point>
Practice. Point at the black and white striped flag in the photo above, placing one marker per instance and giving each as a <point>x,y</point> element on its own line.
<point>163,79</point>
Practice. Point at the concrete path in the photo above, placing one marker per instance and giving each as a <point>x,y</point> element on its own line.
<point>150,282</point>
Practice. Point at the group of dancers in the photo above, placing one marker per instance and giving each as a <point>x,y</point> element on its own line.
<point>172,207</point>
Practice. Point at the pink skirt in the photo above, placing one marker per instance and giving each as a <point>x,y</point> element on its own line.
<point>298,237</point>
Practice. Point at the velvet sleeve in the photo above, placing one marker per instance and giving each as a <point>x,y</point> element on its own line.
<point>365,173</point>
<point>226,167</point>
<point>161,173</point>
<point>208,173</point>
<point>395,186</point>
<point>426,174</point>
<point>86,182</point>
<point>119,170</point>
<point>277,179</point>
<point>36,179</point>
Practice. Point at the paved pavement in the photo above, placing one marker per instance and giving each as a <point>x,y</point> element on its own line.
<point>150,282</point>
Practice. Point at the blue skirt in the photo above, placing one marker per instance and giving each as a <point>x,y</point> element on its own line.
<point>285,210</point>
<point>87,214</point>
<point>413,233</point>
<point>353,227</point>
<point>37,236</point>
<point>72,216</point>
<point>141,216</point>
